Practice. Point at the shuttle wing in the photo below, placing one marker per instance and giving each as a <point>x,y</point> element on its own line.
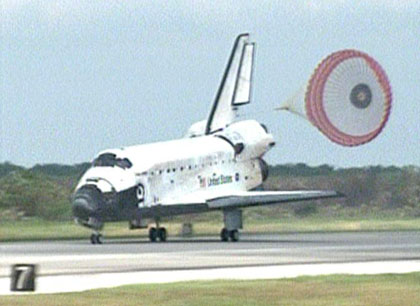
<point>257,198</point>
<point>242,199</point>
<point>235,88</point>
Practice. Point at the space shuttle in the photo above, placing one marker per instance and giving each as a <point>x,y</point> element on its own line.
<point>219,163</point>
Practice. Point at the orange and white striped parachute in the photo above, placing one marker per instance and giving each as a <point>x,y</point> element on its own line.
<point>348,98</point>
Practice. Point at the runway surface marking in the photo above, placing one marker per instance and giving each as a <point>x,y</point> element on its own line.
<point>76,265</point>
<point>120,256</point>
<point>77,283</point>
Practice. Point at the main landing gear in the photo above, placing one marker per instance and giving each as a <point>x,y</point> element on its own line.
<point>96,238</point>
<point>233,221</point>
<point>157,233</point>
<point>233,235</point>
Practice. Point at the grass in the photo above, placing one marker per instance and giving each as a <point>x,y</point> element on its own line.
<point>386,289</point>
<point>45,230</point>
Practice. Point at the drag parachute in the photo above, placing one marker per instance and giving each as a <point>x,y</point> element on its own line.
<point>348,98</point>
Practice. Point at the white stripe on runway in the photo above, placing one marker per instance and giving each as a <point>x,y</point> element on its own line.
<point>73,283</point>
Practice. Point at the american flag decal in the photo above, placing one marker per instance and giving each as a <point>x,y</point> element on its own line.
<point>202,182</point>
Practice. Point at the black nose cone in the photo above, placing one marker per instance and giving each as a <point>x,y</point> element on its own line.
<point>82,208</point>
<point>86,202</point>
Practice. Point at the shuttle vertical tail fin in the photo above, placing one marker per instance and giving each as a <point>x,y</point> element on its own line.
<point>244,79</point>
<point>235,88</point>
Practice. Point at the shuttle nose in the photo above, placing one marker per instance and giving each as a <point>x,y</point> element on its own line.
<point>82,209</point>
<point>86,203</point>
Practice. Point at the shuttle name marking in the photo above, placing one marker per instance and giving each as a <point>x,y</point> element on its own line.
<point>215,181</point>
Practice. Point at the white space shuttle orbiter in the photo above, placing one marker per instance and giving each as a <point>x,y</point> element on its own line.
<point>219,164</point>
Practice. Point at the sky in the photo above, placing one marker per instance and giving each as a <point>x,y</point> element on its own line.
<point>80,76</point>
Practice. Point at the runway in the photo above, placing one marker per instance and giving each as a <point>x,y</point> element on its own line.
<point>180,259</point>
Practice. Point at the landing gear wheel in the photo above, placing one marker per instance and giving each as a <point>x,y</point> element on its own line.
<point>234,235</point>
<point>99,239</point>
<point>224,234</point>
<point>161,233</point>
<point>153,234</point>
<point>96,239</point>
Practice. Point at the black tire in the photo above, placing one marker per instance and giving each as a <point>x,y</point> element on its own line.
<point>96,239</point>
<point>93,239</point>
<point>162,234</point>
<point>99,239</point>
<point>153,234</point>
<point>234,235</point>
<point>224,234</point>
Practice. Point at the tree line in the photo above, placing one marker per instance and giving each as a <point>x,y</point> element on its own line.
<point>44,191</point>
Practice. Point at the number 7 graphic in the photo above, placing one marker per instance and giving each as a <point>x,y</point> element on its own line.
<point>23,277</point>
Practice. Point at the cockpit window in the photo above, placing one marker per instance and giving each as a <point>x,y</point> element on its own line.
<point>124,163</point>
<point>111,160</point>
